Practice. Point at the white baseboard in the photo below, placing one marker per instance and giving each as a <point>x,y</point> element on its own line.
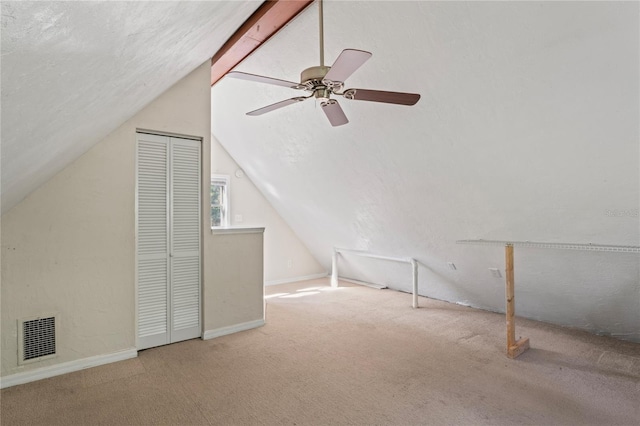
<point>223,331</point>
<point>364,283</point>
<point>296,279</point>
<point>65,367</point>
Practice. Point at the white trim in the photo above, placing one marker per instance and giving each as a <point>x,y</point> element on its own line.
<point>234,230</point>
<point>65,367</point>
<point>296,279</point>
<point>169,134</point>
<point>364,283</point>
<point>223,331</point>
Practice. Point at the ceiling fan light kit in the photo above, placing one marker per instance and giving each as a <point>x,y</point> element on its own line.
<point>323,81</point>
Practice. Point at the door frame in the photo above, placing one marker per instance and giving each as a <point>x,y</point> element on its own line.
<point>200,139</point>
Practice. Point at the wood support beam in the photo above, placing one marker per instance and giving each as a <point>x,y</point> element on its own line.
<point>267,20</point>
<point>514,348</point>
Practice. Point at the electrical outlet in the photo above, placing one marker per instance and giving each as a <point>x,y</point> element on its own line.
<point>495,272</point>
<point>289,263</point>
<point>238,218</point>
<point>452,266</point>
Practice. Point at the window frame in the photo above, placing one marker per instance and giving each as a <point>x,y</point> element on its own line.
<point>221,180</point>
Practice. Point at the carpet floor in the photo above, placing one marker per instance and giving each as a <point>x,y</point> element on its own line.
<point>351,356</point>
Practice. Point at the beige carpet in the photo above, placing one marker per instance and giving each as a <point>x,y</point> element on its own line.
<point>355,356</point>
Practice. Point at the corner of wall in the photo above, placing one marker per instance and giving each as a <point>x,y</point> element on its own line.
<point>287,258</point>
<point>68,247</point>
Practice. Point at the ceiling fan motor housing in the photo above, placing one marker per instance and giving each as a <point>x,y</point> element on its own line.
<point>314,74</point>
<point>311,80</point>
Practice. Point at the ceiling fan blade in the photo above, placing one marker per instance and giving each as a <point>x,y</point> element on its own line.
<point>346,64</point>
<point>277,105</point>
<point>263,79</point>
<point>382,96</point>
<point>334,112</point>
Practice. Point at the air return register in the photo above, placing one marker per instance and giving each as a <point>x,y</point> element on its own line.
<point>36,338</point>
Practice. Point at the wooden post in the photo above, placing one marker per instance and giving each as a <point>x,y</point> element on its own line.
<point>514,348</point>
<point>511,308</point>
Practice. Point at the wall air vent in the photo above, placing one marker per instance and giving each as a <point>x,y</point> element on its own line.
<point>36,339</point>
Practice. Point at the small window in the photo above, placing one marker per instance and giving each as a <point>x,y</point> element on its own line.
<point>219,201</point>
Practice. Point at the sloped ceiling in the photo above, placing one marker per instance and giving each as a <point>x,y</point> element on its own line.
<point>527,130</point>
<point>74,71</point>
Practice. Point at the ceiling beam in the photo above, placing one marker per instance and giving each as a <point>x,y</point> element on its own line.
<point>267,20</point>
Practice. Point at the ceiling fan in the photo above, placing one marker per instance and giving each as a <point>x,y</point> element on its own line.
<point>323,81</point>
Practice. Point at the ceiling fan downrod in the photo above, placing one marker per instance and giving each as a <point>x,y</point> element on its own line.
<point>321,26</point>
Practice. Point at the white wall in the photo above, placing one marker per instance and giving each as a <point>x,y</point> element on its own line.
<point>527,129</point>
<point>68,248</point>
<point>286,258</point>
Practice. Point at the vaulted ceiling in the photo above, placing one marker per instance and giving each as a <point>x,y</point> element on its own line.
<point>527,130</point>
<point>74,71</point>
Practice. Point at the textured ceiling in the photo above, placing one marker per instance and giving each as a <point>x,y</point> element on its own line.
<point>527,130</point>
<point>74,71</point>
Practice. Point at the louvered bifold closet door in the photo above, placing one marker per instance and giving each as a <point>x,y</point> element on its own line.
<point>185,239</point>
<point>153,240</point>
<point>168,239</point>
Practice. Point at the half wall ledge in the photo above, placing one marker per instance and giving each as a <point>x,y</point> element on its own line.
<point>236,230</point>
